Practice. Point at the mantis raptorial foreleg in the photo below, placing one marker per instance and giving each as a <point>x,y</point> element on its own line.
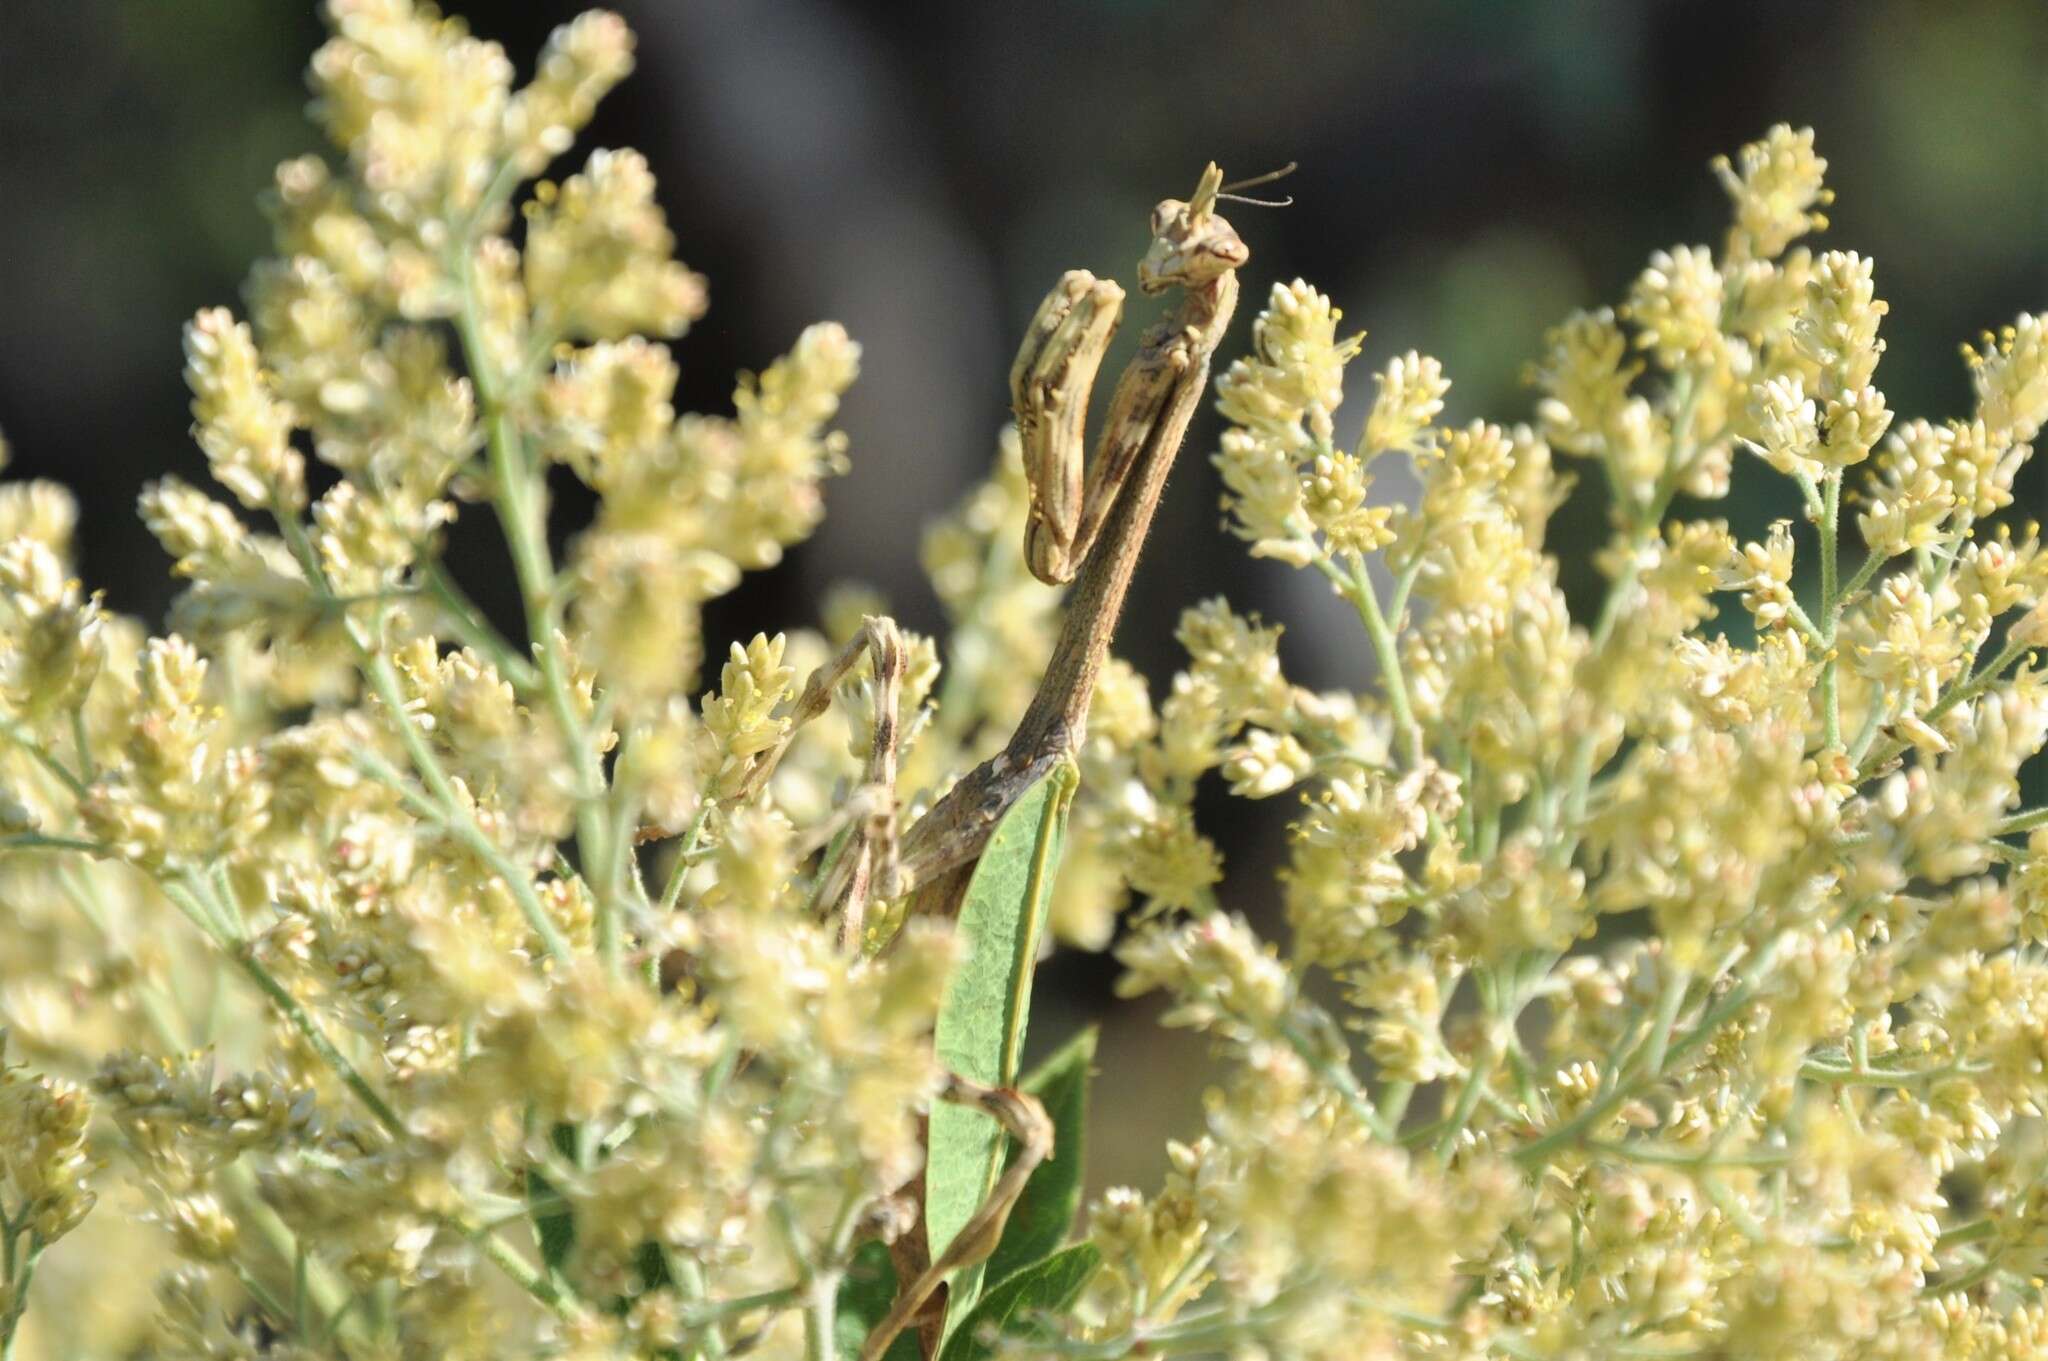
<point>1049,386</point>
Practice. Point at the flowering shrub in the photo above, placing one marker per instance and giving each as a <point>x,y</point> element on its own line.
<point>408,991</point>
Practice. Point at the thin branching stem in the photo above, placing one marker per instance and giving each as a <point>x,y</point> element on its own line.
<point>519,496</point>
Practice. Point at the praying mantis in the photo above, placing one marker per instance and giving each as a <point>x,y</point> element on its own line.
<point>1086,524</point>
<point>1087,521</point>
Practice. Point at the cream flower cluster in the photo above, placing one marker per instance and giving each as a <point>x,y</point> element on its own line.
<point>1692,942</point>
<point>1661,979</point>
<point>378,933</point>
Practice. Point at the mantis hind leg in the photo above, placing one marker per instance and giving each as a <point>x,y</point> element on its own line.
<point>862,862</point>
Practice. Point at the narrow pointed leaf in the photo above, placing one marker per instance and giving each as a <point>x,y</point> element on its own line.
<point>981,1023</point>
<point>554,1229</point>
<point>865,1294</point>
<point>1045,1212</point>
<point>554,1224</point>
<point>1010,1308</point>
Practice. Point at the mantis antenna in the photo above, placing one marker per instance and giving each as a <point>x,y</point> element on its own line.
<point>1227,192</point>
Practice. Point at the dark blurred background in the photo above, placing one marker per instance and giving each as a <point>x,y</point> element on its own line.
<point>1471,170</point>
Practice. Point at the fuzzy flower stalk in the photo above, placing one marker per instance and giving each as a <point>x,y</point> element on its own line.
<point>1658,978</point>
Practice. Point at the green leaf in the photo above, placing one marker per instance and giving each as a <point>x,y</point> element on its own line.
<point>981,1022</point>
<point>1007,1309</point>
<point>1045,1212</point>
<point>865,1294</point>
<point>554,1227</point>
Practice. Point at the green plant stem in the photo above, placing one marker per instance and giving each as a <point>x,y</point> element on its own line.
<point>2024,822</point>
<point>313,1281</point>
<point>1875,715</point>
<point>672,892</point>
<point>622,883</point>
<point>521,1272</point>
<point>1873,561</point>
<point>281,1314</point>
<point>316,1039</point>
<point>449,810</point>
<point>1669,1002</point>
<point>1524,1074</point>
<point>1830,609</point>
<point>1355,585</point>
<point>1643,1151</point>
<point>1574,1130</point>
<point>1817,1070</point>
<point>87,771</point>
<point>1976,1275</point>
<point>20,1273</point>
<point>1810,490</point>
<point>1483,1064</point>
<point>1976,1231</point>
<point>475,629</point>
<point>1807,628</point>
<point>779,1298</point>
<point>43,757</point>
<point>688,1274</point>
<point>817,1280</point>
<point>452,811</point>
<point>1393,1104</point>
<point>1965,688</point>
<point>1341,1079</point>
<point>192,897</point>
<point>1941,564</point>
<point>821,1304</point>
<point>1648,520</point>
<point>517,495</point>
<point>301,1295</point>
<point>1492,1002</point>
<point>39,841</point>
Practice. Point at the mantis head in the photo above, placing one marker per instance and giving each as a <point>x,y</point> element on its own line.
<point>1191,246</point>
